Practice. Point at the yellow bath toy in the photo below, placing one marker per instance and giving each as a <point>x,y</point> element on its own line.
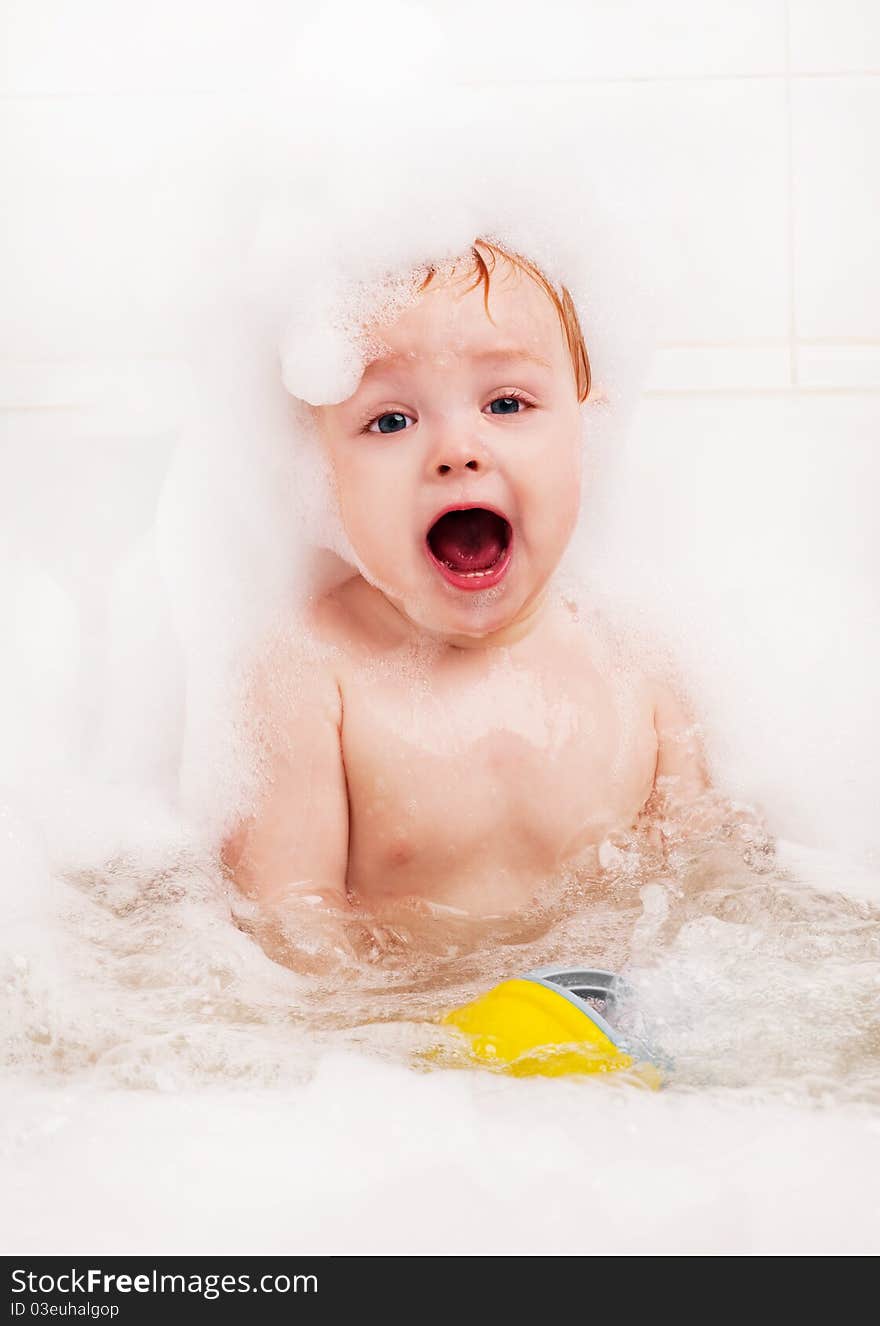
<point>550,1022</point>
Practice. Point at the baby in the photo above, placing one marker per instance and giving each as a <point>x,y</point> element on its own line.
<point>444,731</point>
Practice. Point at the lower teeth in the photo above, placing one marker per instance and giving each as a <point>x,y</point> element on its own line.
<point>473,574</point>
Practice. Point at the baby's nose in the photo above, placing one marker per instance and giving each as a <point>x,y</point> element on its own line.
<point>445,467</point>
<point>454,455</point>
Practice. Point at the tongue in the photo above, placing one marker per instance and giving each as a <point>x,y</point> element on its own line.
<point>468,540</point>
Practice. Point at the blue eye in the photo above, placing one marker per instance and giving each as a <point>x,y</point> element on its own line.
<point>394,422</point>
<point>507,401</point>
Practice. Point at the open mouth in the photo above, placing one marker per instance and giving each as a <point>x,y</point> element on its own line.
<point>471,546</point>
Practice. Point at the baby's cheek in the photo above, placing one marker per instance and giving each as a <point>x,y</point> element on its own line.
<point>560,507</point>
<point>377,538</point>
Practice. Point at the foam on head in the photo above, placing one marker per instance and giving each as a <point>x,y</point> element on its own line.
<point>334,250</point>
<point>348,248</point>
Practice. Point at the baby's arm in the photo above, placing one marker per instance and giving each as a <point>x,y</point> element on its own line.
<point>290,855</point>
<point>684,805</point>
<point>680,777</point>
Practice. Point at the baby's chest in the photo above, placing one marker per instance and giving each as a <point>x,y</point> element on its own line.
<point>446,765</point>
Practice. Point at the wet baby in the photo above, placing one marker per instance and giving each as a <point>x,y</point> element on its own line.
<point>443,734</point>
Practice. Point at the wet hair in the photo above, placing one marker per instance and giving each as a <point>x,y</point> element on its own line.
<point>563,303</point>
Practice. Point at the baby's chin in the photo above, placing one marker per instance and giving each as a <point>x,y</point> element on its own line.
<point>465,619</point>
<point>483,616</point>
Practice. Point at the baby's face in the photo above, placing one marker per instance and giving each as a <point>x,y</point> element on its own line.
<point>457,461</point>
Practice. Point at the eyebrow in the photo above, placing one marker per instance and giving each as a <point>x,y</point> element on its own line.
<point>504,354</point>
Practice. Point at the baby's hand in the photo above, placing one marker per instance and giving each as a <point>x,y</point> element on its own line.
<point>314,932</point>
<point>680,826</point>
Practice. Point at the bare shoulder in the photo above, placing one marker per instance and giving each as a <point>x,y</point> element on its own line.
<point>311,653</point>
<point>615,653</point>
<point>296,668</point>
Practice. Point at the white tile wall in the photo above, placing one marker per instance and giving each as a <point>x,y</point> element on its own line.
<point>611,39</point>
<point>99,46</point>
<point>110,193</point>
<point>137,395</point>
<point>760,119</point>
<point>714,154</point>
<point>688,368</point>
<point>839,39</point>
<point>847,365</point>
<point>698,154</point>
<point>836,178</point>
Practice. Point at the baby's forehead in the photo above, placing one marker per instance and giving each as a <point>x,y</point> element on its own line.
<point>490,356</point>
<point>450,324</point>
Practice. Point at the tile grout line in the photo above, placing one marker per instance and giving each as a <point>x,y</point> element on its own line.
<point>771,343</point>
<point>746,343</point>
<point>802,391</point>
<point>585,82</point>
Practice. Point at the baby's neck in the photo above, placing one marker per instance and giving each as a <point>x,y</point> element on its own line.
<point>530,617</point>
